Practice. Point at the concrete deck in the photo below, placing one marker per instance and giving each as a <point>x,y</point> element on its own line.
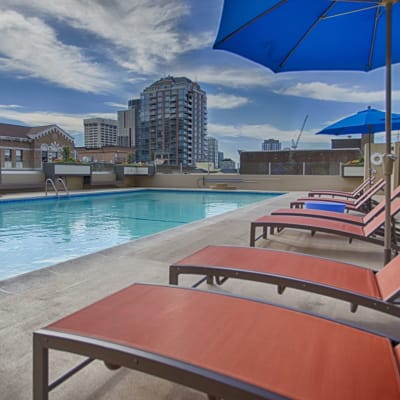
<point>36,299</point>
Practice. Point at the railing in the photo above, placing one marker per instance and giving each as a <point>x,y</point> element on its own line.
<point>54,186</point>
<point>298,168</point>
<point>64,185</point>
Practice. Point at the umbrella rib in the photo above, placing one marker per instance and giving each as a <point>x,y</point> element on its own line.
<point>351,12</point>
<point>293,49</point>
<point>377,15</point>
<point>373,39</point>
<point>257,17</point>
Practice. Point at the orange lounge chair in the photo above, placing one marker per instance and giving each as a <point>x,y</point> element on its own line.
<point>363,203</point>
<point>351,218</point>
<point>370,232</point>
<point>357,192</point>
<point>226,346</point>
<point>359,286</point>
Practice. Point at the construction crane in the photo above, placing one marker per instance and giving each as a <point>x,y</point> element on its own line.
<point>296,143</point>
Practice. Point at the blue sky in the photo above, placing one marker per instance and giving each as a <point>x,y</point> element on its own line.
<point>63,61</point>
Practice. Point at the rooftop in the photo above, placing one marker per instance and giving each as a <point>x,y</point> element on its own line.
<point>34,300</point>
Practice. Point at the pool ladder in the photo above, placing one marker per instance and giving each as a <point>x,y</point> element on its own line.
<point>54,186</point>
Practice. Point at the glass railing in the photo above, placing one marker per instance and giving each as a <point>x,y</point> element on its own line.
<point>300,168</point>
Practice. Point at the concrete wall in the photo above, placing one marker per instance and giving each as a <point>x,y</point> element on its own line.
<point>240,182</point>
<point>20,177</point>
<point>250,182</point>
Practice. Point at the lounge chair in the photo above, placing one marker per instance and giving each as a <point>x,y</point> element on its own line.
<point>364,203</point>
<point>357,192</point>
<point>351,218</point>
<point>359,286</point>
<point>370,232</point>
<point>223,345</point>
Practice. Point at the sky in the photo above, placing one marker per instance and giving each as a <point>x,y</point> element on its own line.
<point>64,61</point>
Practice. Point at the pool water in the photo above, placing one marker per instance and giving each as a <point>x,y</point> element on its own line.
<point>38,233</point>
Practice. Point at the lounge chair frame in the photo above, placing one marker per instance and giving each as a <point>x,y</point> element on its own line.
<point>219,274</point>
<point>350,218</point>
<point>357,192</point>
<point>280,226</point>
<point>364,203</point>
<point>124,356</point>
<point>312,224</point>
<point>196,376</point>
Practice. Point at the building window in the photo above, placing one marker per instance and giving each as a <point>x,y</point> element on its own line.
<point>7,158</point>
<point>52,155</point>
<point>7,155</point>
<point>44,156</point>
<point>18,155</point>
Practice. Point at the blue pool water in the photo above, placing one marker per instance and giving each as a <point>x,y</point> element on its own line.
<point>37,233</point>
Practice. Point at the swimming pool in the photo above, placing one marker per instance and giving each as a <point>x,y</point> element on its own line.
<point>36,233</point>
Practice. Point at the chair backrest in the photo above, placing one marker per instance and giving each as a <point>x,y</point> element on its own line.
<point>378,185</point>
<point>359,189</point>
<point>388,280</point>
<point>395,192</point>
<point>397,355</point>
<point>373,225</point>
<point>381,206</point>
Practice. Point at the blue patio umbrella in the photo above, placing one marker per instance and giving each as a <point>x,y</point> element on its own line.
<point>300,35</point>
<point>368,122</point>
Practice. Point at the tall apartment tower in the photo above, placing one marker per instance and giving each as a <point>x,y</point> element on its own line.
<point>100,132</point>
<point>173,119</point>
<point>213,151</point>
<point>128,124</point>
<point>271,145</point>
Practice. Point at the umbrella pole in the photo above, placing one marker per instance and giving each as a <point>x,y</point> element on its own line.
<point>388,127</point>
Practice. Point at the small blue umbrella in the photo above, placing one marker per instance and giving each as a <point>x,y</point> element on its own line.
<point>367,121</point>
<point>304,35</point>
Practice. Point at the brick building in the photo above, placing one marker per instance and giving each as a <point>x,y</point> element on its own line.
<point>29,147</point>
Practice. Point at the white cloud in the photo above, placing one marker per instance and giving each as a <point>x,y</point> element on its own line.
<point>120,106</point>
<point>225,101</point>
<point>30,47</point>
<point>68,122</point>
<point>324,91</point>
<point>232,77</point>
<point>7,106</point>
<point>261,132</point>
<point>139,35</point>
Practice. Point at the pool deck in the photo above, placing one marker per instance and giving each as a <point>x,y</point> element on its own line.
<point>34,300</point>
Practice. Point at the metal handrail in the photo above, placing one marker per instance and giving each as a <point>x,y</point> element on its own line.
<point>52,183</point>
<point>54,186</point>
<point>64,185</point>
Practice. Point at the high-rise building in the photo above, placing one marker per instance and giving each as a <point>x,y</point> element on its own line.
<point>128,124</point>
<point>173,116</point>
<point>213,151</point>
<point>220,158</point>
<point>100,132</point>
<point>271,145</point>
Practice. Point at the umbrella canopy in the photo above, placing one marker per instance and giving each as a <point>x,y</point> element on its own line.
<point>305,35</point>
<point>367,121</point>
<point>300,35</point>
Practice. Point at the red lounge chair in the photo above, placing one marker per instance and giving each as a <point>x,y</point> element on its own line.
<point>357,192</point>
<point>363,203</point>
<point>369,232</point>
<point>351,218</point>
<point>359,286</point>
<point>226,346</point>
